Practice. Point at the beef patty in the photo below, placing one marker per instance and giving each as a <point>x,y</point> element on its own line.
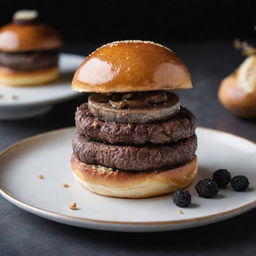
<point>135,158</point>
<point>28,61</point>
<point>181,126</point>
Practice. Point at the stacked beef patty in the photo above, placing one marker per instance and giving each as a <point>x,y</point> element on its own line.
<point>29,60</point>
<point>135,147</point>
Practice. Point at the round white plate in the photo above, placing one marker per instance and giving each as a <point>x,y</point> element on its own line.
<point>49,155</point>
<point>22,102</point>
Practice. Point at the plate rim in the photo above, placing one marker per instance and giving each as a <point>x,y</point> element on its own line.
<point>11,198</point>
<point>72,95</point>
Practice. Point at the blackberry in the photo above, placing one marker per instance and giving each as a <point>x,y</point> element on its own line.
<point>239,183</point>
<point>222,177</point>
<point>207,188</point>
<point>181,197</point>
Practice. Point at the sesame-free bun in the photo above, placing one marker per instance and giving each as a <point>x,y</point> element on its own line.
<point>27,78</point>
<point>237,92</point>
<point>107,182</point>
<point>28,37</point>
<point>129,66</point>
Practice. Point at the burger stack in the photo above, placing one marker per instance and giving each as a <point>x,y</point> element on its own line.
<point>29,51</point>
<point>133,138</point>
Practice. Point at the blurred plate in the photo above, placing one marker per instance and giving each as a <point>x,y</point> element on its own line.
<point>23,102</point>
<point>48,154</point>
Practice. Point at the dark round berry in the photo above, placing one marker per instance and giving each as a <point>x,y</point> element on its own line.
<point>239,183</point>
<point>222,177</point>
<point>181,197</point>
<point>207,188</point>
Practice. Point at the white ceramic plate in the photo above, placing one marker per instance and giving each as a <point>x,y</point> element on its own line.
<point>34,100</point>
<point>49,155</point>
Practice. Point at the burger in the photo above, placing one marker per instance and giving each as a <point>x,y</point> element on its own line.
<point>29,51</point>
<point>133,139</point>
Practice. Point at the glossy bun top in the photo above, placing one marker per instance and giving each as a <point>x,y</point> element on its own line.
<point>128,66</point>
<point>25,33</point>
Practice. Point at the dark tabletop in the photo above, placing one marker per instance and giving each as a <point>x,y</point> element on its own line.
<point>22,233</point>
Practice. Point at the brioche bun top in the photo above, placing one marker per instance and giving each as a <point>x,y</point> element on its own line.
<point>237,92</point>
<point>34,36</point>
<point>237,100</point>
<point>129,66</point>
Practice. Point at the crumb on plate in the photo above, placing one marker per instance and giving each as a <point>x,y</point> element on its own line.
<point>41,177</point>
<point>181,212</point>
<point>14,97</point>
<point>73,207</point>
<point>65,185</point>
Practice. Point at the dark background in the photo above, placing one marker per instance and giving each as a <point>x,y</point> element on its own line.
<point>160,20</point>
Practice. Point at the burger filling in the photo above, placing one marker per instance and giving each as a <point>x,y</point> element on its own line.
<point>29,61</point>
<point>180,126</point>
<point>142,131</point>
<point>135,158</point>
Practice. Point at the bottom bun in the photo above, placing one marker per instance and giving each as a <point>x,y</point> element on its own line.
<point>27,78</point>
<point>107,182</point>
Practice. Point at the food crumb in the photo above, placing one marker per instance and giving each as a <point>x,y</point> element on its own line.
<point>181,212</point>
<point>41,177</point>
<point>1,96</point>
<point>65,185</point>
<point>14,97</point>
<point>73,207</point>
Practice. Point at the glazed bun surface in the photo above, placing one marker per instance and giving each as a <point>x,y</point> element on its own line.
<point>237,92</point>
<point>28,37</point>
<point>129,66</point>
<point>104,181</point>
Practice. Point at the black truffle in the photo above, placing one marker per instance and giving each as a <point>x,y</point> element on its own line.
<point>239,183</point>
<point>222,177</point>
<point>181,197</point>
<point>207,188</point>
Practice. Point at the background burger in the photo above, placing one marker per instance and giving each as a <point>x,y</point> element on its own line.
<point>29,51</point>
<point>133,139</point>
